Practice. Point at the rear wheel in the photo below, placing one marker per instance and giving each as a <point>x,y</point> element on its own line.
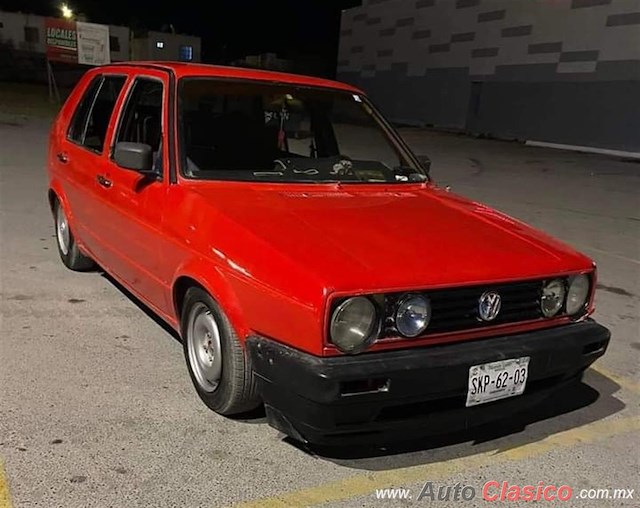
<point>218,366</point>
<point>69,252</point>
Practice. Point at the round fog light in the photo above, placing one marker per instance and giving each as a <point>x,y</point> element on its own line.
<point>553,293</point>
<point>353,324</point>
<point>577,294</point>
<point>413,315</point>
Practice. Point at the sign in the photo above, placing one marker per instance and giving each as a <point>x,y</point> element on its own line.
<point>93,44</point>
<point>77,42</point>
<point>62,41</point>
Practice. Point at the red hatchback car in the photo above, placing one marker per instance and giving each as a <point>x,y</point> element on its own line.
<point>305,257</point>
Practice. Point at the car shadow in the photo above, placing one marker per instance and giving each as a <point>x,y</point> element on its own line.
<point>570,407</point>
<point>573,406</point>
<point>141,305</point>
<point>255,416</point>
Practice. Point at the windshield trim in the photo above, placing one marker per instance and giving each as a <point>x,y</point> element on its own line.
<point>392,135</point>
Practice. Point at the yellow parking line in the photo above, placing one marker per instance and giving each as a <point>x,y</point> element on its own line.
<point>363,484</point>
<point>5,499</point>
<point>624,382</point>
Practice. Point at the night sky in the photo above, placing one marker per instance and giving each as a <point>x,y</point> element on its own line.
<point>302,30</point>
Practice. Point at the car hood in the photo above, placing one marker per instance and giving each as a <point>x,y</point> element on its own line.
<point>363,237</point>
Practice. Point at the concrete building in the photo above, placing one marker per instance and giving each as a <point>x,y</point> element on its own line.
<point>166,46</point>
<point>559,71</point>
<point>26,32</point>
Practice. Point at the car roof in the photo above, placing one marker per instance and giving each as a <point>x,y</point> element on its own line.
<point>183,69</point>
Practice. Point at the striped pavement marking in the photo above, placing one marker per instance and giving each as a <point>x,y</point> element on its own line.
<point>5,498</point>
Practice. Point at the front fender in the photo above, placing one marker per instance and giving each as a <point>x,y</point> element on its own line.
<point>213,279</point>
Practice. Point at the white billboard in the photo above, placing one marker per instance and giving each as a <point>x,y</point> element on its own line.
<point>93,43</point>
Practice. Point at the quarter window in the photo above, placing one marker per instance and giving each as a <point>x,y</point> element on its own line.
<point>91,119</point>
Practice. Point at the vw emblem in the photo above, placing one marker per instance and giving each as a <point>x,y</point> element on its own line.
<point>489,305</point>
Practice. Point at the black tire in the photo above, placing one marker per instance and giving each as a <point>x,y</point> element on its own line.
<point>72,258</point>
<point>236,391</point>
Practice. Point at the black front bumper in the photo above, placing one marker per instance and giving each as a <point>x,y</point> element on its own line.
<point>415,392</point>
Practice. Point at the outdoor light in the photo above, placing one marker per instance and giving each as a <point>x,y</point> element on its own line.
<point>67,12</point>
<point>577,294</point>
<point>353,324</point>
<point>413,315</point>
<point>553,293</point>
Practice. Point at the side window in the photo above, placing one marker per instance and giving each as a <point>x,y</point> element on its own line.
<point>141,121</point>
<point>81,114</point>
<point>91,119</point>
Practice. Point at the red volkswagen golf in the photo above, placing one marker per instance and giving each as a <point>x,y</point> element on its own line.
<point>305,257</point>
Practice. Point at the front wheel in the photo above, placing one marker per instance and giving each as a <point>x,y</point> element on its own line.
<point>216,360</point>
<point>68,249</point>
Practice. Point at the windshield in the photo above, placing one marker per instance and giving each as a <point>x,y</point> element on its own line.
<point>233,130</point>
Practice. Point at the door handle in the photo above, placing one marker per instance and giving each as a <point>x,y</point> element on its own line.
<point>104,182</point>
<point>63,157</point>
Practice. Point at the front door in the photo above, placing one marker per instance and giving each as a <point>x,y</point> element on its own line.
<point>133,218</point>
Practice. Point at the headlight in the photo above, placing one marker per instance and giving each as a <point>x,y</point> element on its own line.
<point>413,315</point>
<point>577,294</point>
<point>353,324</point>
<point>553,293</point>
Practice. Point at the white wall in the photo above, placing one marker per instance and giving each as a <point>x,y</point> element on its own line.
<point>13,29</point>
<point>123,35</point>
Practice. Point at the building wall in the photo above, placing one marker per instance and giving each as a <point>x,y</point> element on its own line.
<point>14,27</point>
<point>120,47</point>
<point>146,48</point>
<point>564,71</point>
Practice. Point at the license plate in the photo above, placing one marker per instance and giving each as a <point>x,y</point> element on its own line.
<point>497,380</point>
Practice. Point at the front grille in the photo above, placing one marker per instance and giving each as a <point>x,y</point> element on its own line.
<point>457,309</point>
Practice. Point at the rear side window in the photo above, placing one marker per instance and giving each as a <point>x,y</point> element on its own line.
<point>91,119</point>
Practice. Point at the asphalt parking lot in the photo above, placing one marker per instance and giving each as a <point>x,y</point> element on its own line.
<point>97,408</point>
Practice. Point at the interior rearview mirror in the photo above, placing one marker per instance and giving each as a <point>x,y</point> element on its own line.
<point>135,156</point>
<point>425,162</point>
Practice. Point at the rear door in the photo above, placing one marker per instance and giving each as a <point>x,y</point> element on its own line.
<point>83,154</point>
<point>133,204</point>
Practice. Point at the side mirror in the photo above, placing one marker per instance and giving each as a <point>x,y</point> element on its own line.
<point>425,162</point>
<point>135,156</point>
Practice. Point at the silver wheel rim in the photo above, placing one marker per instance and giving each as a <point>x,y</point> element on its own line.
<point>204,347</point>
<point>62,231</point>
